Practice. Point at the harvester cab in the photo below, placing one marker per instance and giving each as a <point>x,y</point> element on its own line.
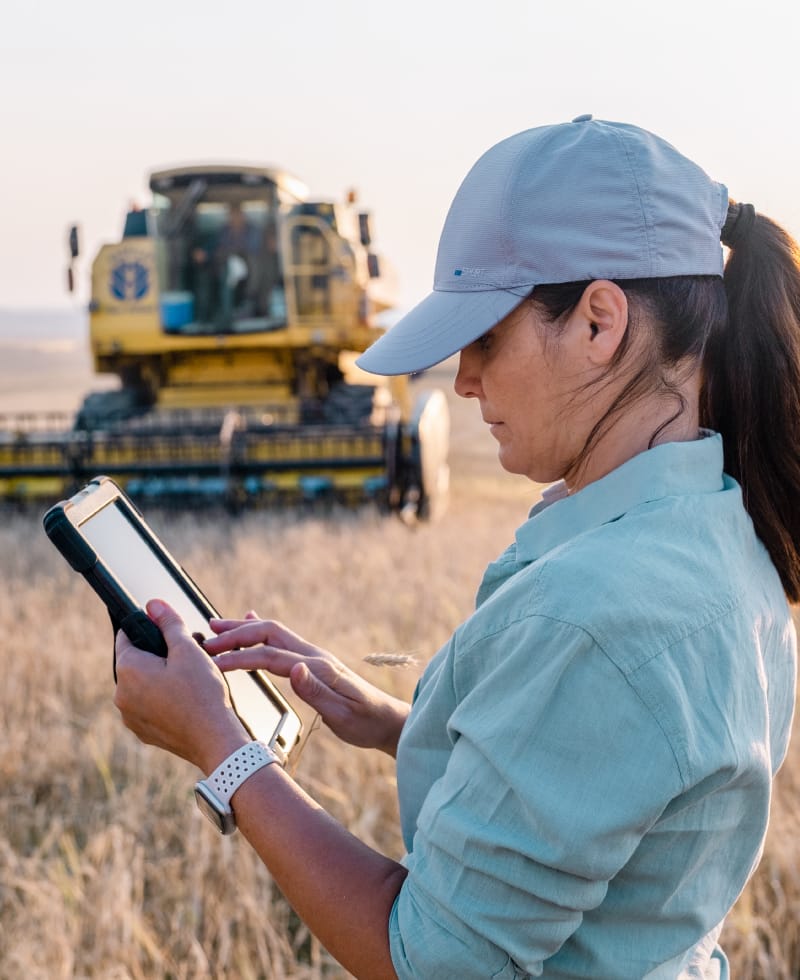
<point>232,310</point>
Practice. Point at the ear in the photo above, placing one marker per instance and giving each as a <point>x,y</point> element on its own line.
<point>602,319</point>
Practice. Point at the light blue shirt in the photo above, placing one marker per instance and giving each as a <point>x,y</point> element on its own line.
<point>584,778</point>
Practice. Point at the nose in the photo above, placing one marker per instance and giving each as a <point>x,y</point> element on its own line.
<point>467,382</point>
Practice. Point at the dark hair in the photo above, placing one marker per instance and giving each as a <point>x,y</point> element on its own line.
<point>745,329</point>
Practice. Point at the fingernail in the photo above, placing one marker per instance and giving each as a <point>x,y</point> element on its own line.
<point>156,607</point>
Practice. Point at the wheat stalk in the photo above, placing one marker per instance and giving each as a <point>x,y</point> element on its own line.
<point>391,660</point>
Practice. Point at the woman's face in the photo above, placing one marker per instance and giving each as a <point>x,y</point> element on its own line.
<point>544,393</point>
<point>527,390</point>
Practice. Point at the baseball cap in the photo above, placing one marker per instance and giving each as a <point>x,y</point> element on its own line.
<point>588,199</point>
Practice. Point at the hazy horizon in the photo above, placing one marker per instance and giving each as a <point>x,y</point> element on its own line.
<point>43,323</point>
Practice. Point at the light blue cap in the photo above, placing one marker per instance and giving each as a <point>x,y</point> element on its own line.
<point>578,201</point>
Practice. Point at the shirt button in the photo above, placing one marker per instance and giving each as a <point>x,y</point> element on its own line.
<point>586,117</point>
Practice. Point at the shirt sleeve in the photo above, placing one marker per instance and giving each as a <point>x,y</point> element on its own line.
<point>557,770</point>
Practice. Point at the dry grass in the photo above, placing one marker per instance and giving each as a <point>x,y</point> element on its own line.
<point>107,869</point>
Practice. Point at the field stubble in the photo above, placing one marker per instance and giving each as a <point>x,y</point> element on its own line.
<point>107,869</point>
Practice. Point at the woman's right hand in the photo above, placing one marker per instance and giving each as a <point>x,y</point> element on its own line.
<point>355,710</point>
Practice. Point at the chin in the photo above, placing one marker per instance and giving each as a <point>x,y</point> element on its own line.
<point>511,465</point>
<point>536,472</point>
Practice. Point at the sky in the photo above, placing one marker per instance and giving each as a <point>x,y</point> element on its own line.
<point>396,100</point>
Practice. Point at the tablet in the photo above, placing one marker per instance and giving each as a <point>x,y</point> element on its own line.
<point>103,536</point>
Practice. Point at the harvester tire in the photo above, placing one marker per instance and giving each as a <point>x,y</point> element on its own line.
<point>348,404</point>
<point>103,408</point>
<point>425,471</point>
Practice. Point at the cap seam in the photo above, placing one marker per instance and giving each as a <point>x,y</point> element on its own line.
<point>647,226</point>
<point>512,178</point>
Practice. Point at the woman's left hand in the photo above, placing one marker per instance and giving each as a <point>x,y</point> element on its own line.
<point>180,703</point>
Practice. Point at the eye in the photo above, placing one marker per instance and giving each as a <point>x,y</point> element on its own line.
<point>484,343</point>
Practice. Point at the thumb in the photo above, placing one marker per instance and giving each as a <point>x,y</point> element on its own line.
<point>311,689</point>
<point>167,620</point>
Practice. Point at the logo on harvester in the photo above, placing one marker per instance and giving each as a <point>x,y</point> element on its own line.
<point>129,280</point>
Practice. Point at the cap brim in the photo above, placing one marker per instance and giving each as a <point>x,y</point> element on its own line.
<point>437,328</point>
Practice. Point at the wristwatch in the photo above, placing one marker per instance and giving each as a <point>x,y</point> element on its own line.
<point>213,794</point>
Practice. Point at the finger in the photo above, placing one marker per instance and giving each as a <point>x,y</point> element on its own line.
<point>223,626</point>
<point>219,623</point>
<point>134,668</point>
<point>273,659</point>
<point>127,654</point>
<point>122,644</point>
<point>316,693</point>
<point>249,633</point>
<point>169,622</point>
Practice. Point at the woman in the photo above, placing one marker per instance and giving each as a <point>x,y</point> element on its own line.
<point>584,776</point>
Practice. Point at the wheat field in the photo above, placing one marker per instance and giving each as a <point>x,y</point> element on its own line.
<point>108,870</point>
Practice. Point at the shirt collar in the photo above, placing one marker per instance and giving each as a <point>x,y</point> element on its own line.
<point>670,469</point>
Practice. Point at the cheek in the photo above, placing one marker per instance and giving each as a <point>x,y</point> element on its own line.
<point>542,416</point>
<point>528,392</point>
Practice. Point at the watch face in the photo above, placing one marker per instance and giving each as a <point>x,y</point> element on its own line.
<point>217,812</point>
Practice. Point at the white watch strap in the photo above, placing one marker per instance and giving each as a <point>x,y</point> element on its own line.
<point>239,766</point>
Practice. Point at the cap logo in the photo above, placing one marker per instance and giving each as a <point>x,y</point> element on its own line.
<point>470,272</point>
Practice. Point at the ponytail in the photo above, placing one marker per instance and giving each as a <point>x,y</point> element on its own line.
<point>751,391</point>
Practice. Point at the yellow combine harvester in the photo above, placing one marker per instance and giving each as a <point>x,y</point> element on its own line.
<point>232,311</point>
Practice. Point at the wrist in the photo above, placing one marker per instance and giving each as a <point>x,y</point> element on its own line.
<point>219,744</point>
<point>214,793</point>
<point>396,713</point>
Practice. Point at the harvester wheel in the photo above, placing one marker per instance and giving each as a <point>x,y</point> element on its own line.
<point>348,404</point>
<point>103,408</point>
<point>425,472</point>
<point>392,500</point>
